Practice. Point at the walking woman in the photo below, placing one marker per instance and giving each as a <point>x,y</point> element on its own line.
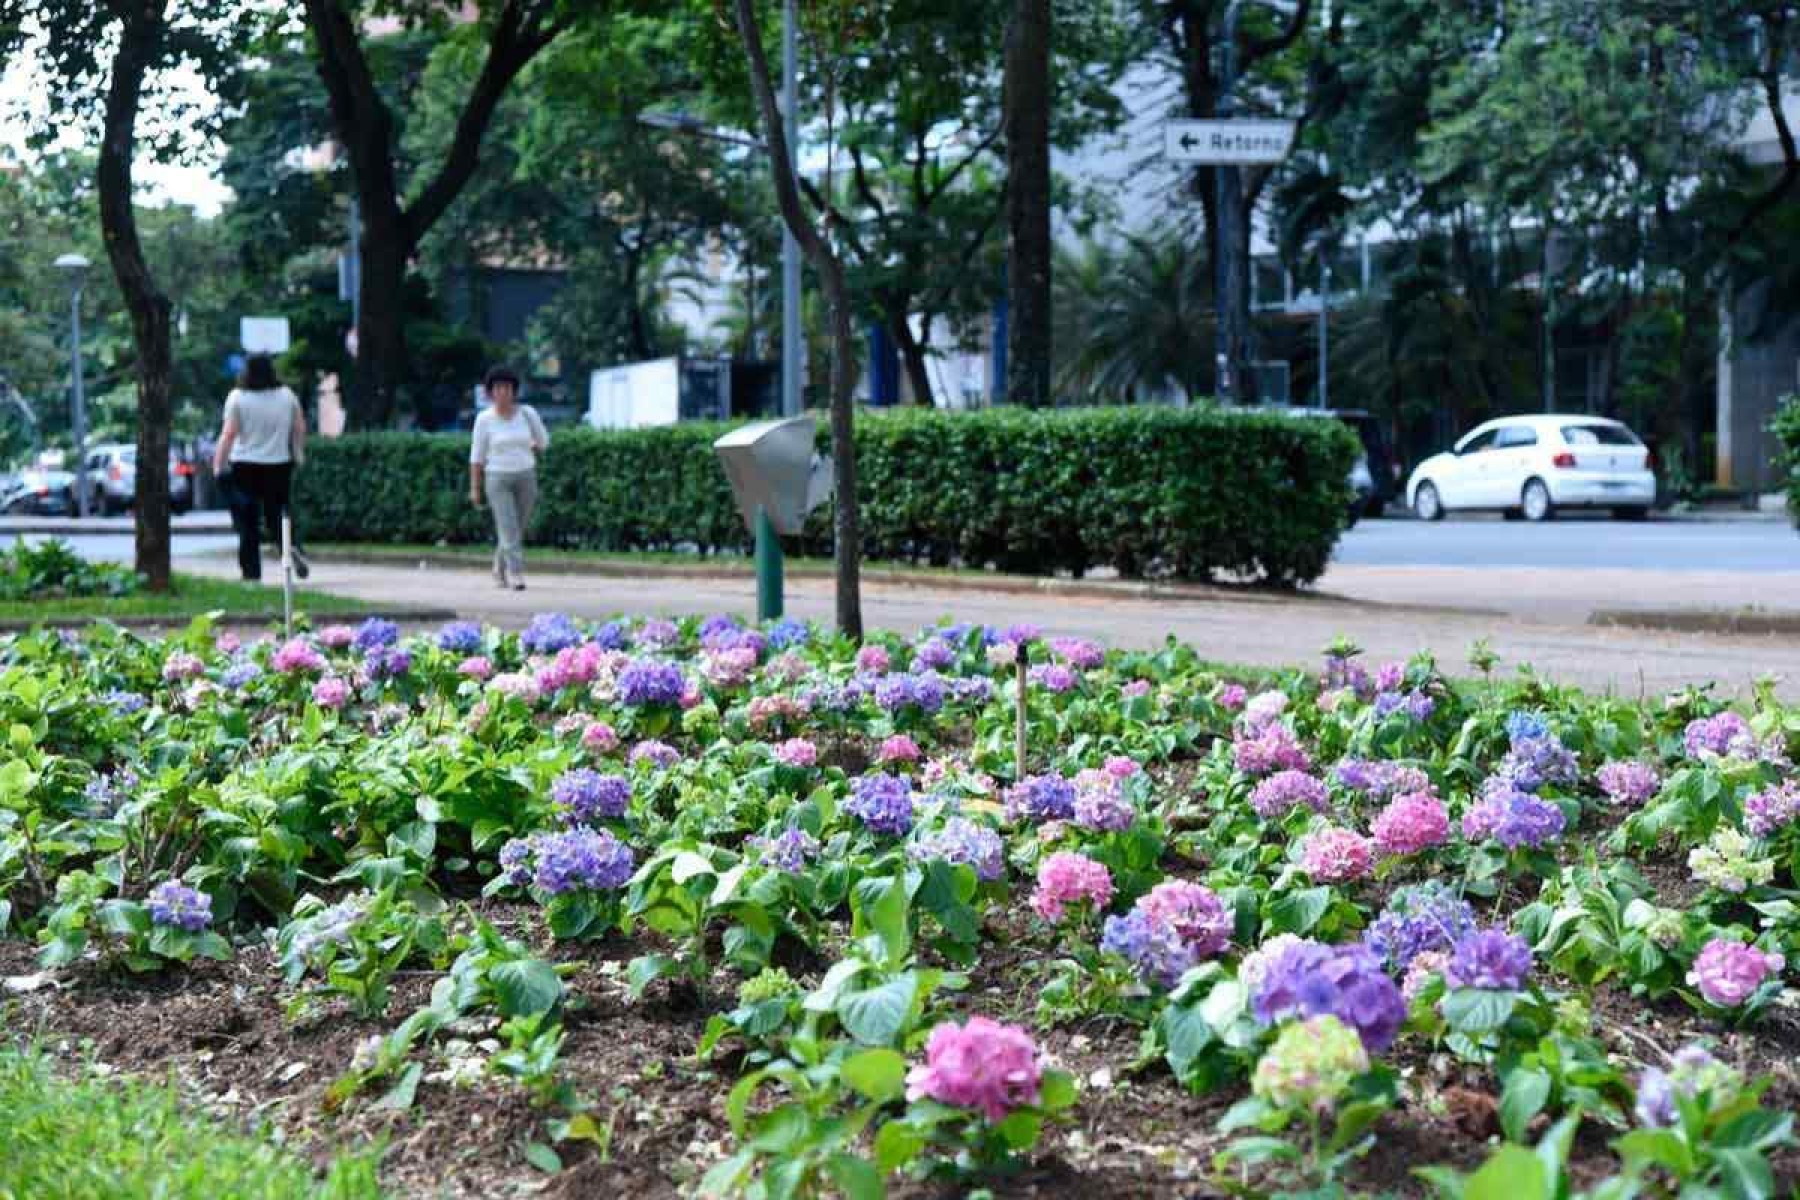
<point>263,439</point>
<point>503,466</point>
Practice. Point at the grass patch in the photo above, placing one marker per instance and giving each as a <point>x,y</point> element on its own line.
<point>192,595</point>
<point>80,1135</point>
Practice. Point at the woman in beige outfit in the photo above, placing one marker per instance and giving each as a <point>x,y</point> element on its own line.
<point>509,436</point>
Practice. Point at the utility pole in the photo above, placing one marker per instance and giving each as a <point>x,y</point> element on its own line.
<point>1325,276</point>
<point>790,246</point>
<point>1228,199</point>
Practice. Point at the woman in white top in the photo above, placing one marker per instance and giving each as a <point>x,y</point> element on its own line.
<point>263,439</point>
<point>503,466</point>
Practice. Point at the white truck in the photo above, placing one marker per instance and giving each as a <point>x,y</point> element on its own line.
<point>665,391</point>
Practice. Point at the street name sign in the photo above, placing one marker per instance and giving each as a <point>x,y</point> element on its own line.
<point>1228,143</point>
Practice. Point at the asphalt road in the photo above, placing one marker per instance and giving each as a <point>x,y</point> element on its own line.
<point>1574,542</point>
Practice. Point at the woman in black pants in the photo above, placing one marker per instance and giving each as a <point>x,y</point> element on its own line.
<point>263,439</point>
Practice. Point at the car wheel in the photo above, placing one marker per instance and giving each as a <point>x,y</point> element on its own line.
<point>1426,505</point>
<point>1634,512</point>
<point>1535,502</point>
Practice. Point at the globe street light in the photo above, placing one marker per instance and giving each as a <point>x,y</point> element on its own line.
<point>74,267</point>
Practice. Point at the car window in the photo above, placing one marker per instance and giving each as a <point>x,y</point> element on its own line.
<point>1516,435</point>
<point>1478,443</point>
<point>1599,435</point>
<point>128,456</point>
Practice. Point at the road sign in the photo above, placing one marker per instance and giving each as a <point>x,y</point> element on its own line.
<point>264,335</point>
<point>1228,143</point>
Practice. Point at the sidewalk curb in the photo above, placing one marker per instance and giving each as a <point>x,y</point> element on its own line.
<point>1700,620</point>
<point>991,584</point>
<point>74,526</point>
<point>323,616</point>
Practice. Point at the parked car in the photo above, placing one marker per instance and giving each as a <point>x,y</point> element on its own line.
<point>112,479</point>
<point>1530,466</point>
<point>1373,477</point>
<point>40,492</point>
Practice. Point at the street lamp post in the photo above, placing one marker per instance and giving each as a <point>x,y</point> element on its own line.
<point>74,267</point>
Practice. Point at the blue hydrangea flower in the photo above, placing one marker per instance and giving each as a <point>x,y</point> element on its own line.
<point>387,662</point>
<point>460,637</point>
<point>1512,817</point>
<point>588,796</point>
<point>238,674</point>
<point>179,907</point>
<point>1041,798</point>
<point>1426,916</point>
<point>375,632</point>
<point>1526,726</point>
<point>1489,958</point>
<point>961,842</point>
<point>614,635</point>
<point>882,802</point>
<point>649,681</point>
<point>1155,949</point>
<point>580,858</point>
<point>788,633</point>
<point>788,851</point>
<point>549,632</point>
<point>899,690</point>
<point>125,702</point>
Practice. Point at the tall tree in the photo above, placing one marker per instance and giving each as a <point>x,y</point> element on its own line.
<point>105,60</point>
<point>1028,246</point>
<point>513,32</point>
<point>846,527</point>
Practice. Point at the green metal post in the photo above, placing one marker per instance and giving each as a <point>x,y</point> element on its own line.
<point>768,569</point>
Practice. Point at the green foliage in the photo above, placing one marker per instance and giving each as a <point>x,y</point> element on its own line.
<point>1190,494</point>
<point>73,1133</point>
<point>1786,427</point>
<point>51,570</point>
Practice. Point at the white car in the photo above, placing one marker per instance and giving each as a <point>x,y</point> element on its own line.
<point>1534,465</point>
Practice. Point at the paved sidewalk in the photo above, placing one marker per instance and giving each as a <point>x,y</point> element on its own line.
<point>208,521</point>
<point>1259,630</point>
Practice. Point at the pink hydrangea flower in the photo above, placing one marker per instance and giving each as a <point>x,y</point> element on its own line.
<point>789,667</point>
<point>228,643</point>
<point>1263,709</point>
<point>1411,823</point>
<point>1135,688</point>
<point>475,668</point>
<point>729,668</point>
<point>516,684</point>
<point>181,665</point>
<point>898,749</point>
<point>1193,911</point>
<point>1232,696</point>
<point>1772,809</point>
<point>1425,966</point>
<point>690,697</point>
<point>797,752</point>
<point>331,692</point>
<point>599,738</point>
<point>1728,972</point>
<point>1120,767</point>
<point>1336,855</point>
<point>1270,749</point>
<point>982,1065</point>
<point>872,658</point>
<point>1078,652</point>
<point>1067,878</point>
<point>336,637</point>
<point>1628,783</point>
<point>297,656</point>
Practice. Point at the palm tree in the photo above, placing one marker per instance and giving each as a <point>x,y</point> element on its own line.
<point>1133,320</point>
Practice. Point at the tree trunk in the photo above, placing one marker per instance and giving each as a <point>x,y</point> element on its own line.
<point>912,358</point>
<point>846,526</point>
<point>1027,122</point>
<point>381,362</point>
<point>139,38</point>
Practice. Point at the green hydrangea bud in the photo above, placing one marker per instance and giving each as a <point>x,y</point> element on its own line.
<point>1311,1065</point>
<point>767,984</point>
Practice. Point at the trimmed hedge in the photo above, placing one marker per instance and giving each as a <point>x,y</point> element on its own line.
<point>1182,493</point>
<point>1786,428</point>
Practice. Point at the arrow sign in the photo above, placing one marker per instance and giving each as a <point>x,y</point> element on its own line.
<point>1228,143</point>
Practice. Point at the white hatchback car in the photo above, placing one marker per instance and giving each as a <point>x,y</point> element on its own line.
<point>1534,465</point>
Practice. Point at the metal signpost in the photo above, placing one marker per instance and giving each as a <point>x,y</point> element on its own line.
<point>1237,143</point>
<point>777,478</point>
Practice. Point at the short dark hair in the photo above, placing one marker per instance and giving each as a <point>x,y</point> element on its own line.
<point>500,375</point>
<point>258,374</point>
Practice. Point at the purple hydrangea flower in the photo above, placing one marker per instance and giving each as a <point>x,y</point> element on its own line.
<point>387,662</point>
<point>1724,735</point>
<point>1512,817</point>
<point>179,907</point>
<point>105,793</point>
<point>1771,809</point>
<point>1489,958</point>
<point>788,851</point>
<point>884,803</point>
<point>1418,919</point>
<point>1171,928</point>
<point>1054,677</point>
<point>1310,979</point>
<point>659,755</point>
<point>934,654</point>
<point>976,690</point>
<point>1041,798</point>
<point>649,681</point>
<point>962,842</point>
<point>375,632</point>
<point>460,637</point>
<point>1104,807</point>
<point>550,632</point>
<point>515,861</point>
<point>1285,791</point>
<point>580,858</point>
<point>588,796</point>
<point>1692,1070</point>
<point>614,635</point>
<point>657,634</point>
<point>1155,951</point>
<point>897,691</point>
<point>1533,763</point>
<point>1380,779</point>
<point>1628,783</point>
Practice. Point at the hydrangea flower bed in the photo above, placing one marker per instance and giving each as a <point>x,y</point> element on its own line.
<point>709,908</point>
